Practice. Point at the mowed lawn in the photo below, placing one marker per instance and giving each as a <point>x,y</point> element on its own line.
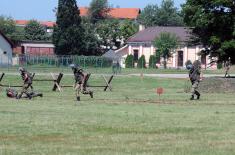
<point>130,120</point>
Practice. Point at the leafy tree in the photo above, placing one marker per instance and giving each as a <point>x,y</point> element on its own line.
<point>127,29</point>
<point>213,23</point>
<point>149,16</point>
<point>35,31</point>
<point>141,62</point>
<point>165,44</point>
<point>92,44</point>
<point>98,10</point>
<point>68,36</point>
<point>165,15</point>
<point>109,33</point>
<point>8,27</point>
<point>152,61</point>
<point>129,62</point>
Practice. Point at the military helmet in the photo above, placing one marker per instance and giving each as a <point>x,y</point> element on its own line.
<point>189,66</point>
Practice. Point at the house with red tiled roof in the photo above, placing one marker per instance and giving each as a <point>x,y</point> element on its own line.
<point>6,47</point>
<point>142,44</point>
<point>117,13</point>
<point>47,24</point>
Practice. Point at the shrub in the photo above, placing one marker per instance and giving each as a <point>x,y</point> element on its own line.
<point>152,61</point>
<point>219,65</point>
<point>129,61</point>
<point>141,62</point>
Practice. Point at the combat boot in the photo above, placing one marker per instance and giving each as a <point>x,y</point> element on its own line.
<point>198,95</point>
<point>192,97</point>
<point>78,98</point>
<point>91,94</point>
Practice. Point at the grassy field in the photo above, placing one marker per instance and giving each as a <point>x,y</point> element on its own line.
<point>130,120</point>
<point>124,71</point>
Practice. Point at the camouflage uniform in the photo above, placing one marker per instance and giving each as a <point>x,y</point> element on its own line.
<point>27,78</point>
<point>227,67</point>
<point>81,78</point>
<point>194,75</point>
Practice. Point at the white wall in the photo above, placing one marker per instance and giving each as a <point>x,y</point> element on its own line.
<point>5,52</point>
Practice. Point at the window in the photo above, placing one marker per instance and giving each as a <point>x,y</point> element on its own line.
<point>136,55</point>
<point>180,58</point>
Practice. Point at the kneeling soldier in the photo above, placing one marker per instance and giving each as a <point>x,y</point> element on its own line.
<point>81,78</point>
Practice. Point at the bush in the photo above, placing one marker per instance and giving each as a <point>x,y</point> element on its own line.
<point>219,65</point>
<point>152,61</point>
<point>129,61</point>
<point>141,62</point>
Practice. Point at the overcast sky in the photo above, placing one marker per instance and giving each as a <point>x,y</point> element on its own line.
<point>43,9</point>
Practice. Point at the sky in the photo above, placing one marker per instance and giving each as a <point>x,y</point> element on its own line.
<point>43,9</point>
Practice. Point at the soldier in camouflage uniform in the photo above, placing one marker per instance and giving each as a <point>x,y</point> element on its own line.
<point>28,81</point>
<point>227,66</point>
<point>81,78</point>
<point>194,76</point>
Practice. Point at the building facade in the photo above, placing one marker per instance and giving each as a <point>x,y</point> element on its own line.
<point>5,50</point>
<point>142,44</point>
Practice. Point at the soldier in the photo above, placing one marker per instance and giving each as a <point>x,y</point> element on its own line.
<point>27,78</point>
<point>194,76</point>
<point>81,78</point>
<point>11,93</point>
<point>227,66</point>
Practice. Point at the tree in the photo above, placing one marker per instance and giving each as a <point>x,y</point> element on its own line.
<point>92,44</point>
<point>165,44</point>
<point>152,61</point>
<point>213,24</point>
<point>8,27</point>
<point>109,33</point>
<point>127,29</point>
<point>68,36</point>
<point>149,16</point>
<point>141,62</point>
<point>129,62</point>
<point>35,31</point>
<point>98,10</point>
<point>165,15</point>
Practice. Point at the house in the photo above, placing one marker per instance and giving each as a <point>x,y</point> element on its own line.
<point>142,44</point>
<point>34,48</point>
<point>5,50</point>
<point>47,24</point>
<point>117,13</point>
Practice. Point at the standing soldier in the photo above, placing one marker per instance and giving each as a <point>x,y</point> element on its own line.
<point>28,81</point>
<point>227,66</point>
<point>194,76</point>
<point>81,78</point>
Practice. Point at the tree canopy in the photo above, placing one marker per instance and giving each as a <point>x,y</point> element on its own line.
<point>165,44</point>
<point>213,24</point>
<point>98,10</point>
<point>35,31</point>
<point>165,15</point>
<point>68,36</point>
<point>8,27</point>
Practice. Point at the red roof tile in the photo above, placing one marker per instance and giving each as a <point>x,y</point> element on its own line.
<point>119,13</point>
<point>45,23</point>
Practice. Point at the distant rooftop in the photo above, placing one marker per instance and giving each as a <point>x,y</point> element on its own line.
<point>118,13</point>
<point>149,34</point>
<point>44,23</point>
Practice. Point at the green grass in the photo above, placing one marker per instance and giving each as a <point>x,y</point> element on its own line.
<point>124,71</point>
<point>130,120</point>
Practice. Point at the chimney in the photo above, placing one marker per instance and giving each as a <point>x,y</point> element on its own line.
<point>141,27</point>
